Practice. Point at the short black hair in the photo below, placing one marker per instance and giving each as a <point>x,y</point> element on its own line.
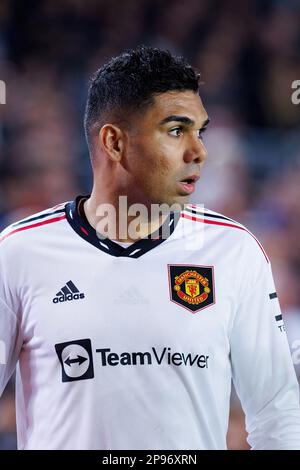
<point>130,81</point>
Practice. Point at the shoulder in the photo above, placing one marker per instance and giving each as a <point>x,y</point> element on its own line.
<point>233,233</point>
<point>26,227</point>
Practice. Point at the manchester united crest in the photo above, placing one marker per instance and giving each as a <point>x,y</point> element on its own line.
<point>192,287</point>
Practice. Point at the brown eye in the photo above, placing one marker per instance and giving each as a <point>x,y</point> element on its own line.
<point>176,132</point>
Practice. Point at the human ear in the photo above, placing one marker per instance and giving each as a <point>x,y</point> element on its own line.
<point>111,139</point>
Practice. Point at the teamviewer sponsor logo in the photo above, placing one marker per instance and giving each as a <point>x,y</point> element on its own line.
<point>154,356</point>
<point>76,359</point>
<point>68,292</point>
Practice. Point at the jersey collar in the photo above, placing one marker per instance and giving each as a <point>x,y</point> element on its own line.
<point>82,227</point>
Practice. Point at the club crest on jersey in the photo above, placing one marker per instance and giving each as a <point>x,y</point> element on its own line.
<point>192,287</point>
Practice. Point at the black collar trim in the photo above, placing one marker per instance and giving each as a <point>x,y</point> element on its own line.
<point>135,250</point>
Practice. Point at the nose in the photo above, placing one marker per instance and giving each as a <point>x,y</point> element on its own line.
<point>195,151</point>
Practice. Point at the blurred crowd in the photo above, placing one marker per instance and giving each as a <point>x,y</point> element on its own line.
<point>248,54</point>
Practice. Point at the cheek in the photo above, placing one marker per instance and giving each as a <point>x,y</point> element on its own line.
<point>153,161</point>
<point>160,171</point>
<point>170,153</point>
<point>164,158</point>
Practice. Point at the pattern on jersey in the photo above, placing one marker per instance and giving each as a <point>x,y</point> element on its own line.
<point>192,287</point>
<point>196,214</point>
<point>42,218</point>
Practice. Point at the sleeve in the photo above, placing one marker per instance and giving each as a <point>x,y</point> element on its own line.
<point>262,368</point>
<point>10,332</point>
<point>10,344</point>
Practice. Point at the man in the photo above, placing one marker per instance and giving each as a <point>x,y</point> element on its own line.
<point>130,341</point>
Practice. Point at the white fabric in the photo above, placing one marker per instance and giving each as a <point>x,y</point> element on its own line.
<point>154,399</point>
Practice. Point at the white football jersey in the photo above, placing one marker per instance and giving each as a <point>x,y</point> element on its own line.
<point>135,347</point>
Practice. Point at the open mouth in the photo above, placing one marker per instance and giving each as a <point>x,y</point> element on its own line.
<point>187,185</point>
<point>188,181</point>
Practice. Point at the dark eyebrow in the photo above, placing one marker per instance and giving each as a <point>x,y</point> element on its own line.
<point>182,119</point>
<point>206,122</point>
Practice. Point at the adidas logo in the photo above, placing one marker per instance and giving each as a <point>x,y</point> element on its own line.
<point>67,293</point>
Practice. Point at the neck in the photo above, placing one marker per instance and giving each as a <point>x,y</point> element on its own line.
<point>119,220</point>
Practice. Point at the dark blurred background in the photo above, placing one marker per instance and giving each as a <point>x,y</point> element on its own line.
<point>248,54</point>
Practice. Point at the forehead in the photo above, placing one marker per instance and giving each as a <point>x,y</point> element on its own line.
<point>186,103</point>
